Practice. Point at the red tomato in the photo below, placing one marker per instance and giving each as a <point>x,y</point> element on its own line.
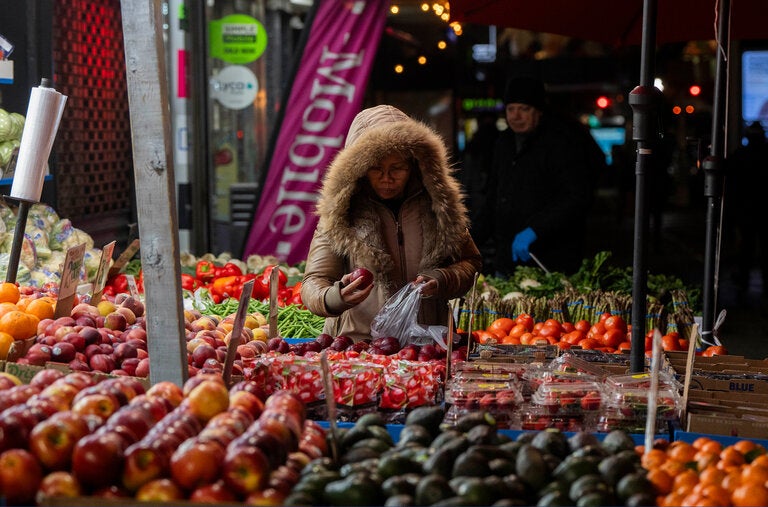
<point>613,337</point>
<point>604,316</point>
<point>670,342</point>
<point>574,337</point>
<point>597,329</point>
<point>588,344</point>
<point>550,331</point>
<point>583,325</point>
<point>567,327</point>
<point>517,331</point>
<point>616,322</point>
<point>715,350</point>
<point>525,320</point>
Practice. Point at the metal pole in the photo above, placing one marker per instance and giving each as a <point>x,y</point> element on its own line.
<point>643,102</point>
<point>713,177</point>
<point>18,241</point>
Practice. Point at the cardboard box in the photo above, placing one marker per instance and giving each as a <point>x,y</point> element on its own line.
<point>730,424</point>
<point>24,372</point>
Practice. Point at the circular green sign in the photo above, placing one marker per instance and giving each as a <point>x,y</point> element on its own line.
<point>237,38</point>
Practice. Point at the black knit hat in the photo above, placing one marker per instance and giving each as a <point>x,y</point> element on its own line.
<point>525,90</point>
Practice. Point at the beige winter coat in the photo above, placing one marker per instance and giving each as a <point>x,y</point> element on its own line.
<point>356,229</point>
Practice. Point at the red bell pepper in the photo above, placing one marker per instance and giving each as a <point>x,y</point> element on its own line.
<point>231,269</point>
<point>204,271</point>
<point>189,282</point>
<point>263,279</point>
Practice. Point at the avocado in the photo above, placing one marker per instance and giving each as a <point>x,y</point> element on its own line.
<point>414,433</point>
<point>475,492</point>
<point>552,441</point>
<point>313,485</point>
<point>470,465</point>
<point>368,466</point>
<point>643,499</point>
<point>404,484</point>
<point>501,466</point>
<point>430,417</point>
<point>555,498</point>
<point>531,467</point>
<point>632,484</point>
<point>483,434</point>
<point>352,435</point>
<point>598,499</point>
<point>444,437</point>
<point>381,433</point>
<point>589,483</point>
<point>317,465</point>
<point>488,452</point>
<point>371,419</point>
<point>440,462</point>
<point>396,464</point>
<point>510,502</point>
<point>399,501</point>
<point>618,440</point>
<point>353,490</point>
<point>526,437</point>
<point>299,499</point>
<point>378,445</point>
<point>571,468</point>
<point>468,421</point>
<point>511,448</point>
<point>516,488</point>
<point>616,466</point>
<point>594,451</point>
<point>582,439</point>
<point>432,489</point>
<point>357,454</point>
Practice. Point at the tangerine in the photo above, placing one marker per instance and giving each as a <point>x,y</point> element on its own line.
<point>6,341</point>
<point>18,324</point>
<point>9,292</point>
<point>749,495</point>
<point>42,308</point>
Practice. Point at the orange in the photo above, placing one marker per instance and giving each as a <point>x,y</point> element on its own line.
<point>749,495</point>
<point>712,446</point>
<point>18,324</point>
<point>700,441</point>
<point>653,459</point>
<point>754,474</point>
<point>5,345</point>
<point>503,324</point>
<point>681,451</point>
<point>7,307</point>
<point>661,480</point>
<point>685,482</point>
<point>9,292</point>
<point>730,457</point>
<point>716,493</point>
<point>761,460</point>
<point>42,308</point>
<point>712,475</point>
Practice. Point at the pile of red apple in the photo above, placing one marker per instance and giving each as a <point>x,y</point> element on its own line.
<point>68,435</point>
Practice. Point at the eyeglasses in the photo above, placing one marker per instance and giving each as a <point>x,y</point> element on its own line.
<point>396,172</point>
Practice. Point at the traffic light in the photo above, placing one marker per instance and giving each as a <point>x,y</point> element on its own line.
<point>602,102</point>
<point>694,90</point>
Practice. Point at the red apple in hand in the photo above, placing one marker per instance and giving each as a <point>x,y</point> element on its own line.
<point>365,275</point>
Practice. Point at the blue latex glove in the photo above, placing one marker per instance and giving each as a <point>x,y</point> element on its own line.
<point>521,244</point>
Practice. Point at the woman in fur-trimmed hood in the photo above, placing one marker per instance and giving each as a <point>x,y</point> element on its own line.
<point>390,204</point>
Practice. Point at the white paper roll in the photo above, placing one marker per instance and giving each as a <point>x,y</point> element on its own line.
<point>46,106</point>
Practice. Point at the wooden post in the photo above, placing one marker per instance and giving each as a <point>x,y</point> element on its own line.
<point>155,188</point>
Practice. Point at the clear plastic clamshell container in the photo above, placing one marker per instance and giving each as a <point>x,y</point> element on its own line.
<point>568,398</point>
<point>501,399</point>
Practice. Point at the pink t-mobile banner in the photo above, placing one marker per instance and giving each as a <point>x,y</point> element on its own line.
<point>325,96</point>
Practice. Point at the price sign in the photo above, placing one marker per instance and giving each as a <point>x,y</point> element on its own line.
<point>101,274</point>
<point>70,276</point>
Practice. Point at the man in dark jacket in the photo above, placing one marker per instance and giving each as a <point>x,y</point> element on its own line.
<point>540,187</point>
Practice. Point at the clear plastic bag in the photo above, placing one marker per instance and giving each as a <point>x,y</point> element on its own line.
<point>398,317</point>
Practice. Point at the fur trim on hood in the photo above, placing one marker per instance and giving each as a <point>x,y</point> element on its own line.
<point>346,213</point>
